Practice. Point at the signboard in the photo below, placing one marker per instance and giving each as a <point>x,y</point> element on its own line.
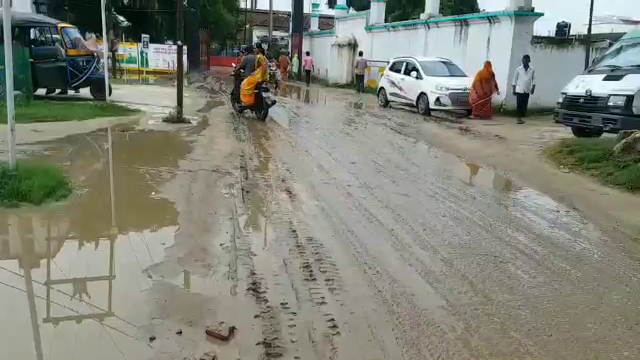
<point>145,41</point>
<point>127,55</point>
<point>157,57</point>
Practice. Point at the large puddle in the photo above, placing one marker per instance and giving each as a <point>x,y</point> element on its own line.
<point>73,276</point>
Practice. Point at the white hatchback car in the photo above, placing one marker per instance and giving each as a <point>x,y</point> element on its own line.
<point>428,83</point>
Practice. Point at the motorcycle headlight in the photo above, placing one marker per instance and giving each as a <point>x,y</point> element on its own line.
<point>440,87</point>
<point>617,101</point>
<point>635,107</point>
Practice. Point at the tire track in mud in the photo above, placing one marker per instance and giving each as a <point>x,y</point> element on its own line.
<point>312,283</point>
<point>414,323</point>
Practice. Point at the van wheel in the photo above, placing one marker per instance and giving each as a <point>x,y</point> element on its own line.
<point>383,100</point>
<point>423,105</point>
<point>583,132</point>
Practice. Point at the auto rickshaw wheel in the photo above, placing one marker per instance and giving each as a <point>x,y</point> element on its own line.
<point>97,91</point>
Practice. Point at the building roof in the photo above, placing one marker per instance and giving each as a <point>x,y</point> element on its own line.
<point>576,39</point>
<point>281,20</point>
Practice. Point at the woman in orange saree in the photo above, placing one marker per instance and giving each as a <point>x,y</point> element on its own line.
<point>249,84</point>
<point>482,89</point>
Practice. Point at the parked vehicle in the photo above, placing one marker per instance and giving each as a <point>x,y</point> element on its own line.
<point>262,103</point>
<point>428,83</point>
<point>606,97</point>
<point>58,58</point>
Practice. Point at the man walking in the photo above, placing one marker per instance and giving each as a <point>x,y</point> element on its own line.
<point>360,68</point>
<point>524,85</point>
<point>307,64</point>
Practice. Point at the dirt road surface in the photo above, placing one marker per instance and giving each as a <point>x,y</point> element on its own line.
<point>335,230</point>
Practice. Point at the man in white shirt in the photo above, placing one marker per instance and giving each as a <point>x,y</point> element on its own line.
<point>524,85</point>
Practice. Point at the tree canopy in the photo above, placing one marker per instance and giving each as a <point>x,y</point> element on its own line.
<point>154,17</point>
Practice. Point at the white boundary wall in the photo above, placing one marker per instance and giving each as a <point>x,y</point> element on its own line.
<point>468,40</point>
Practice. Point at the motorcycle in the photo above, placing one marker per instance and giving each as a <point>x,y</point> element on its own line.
<point>263,101</point>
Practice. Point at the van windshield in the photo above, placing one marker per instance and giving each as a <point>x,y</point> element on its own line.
<point>624,54</point>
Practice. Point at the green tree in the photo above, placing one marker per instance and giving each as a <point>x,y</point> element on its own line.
<point>458,7</point>
<point>357,5</point>
<point>221,16</point>
<point>399,10</point>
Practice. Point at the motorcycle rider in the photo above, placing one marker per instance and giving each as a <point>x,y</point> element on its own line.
<point>248,64</point>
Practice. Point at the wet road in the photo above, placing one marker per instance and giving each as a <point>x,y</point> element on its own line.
<point>328,232</point>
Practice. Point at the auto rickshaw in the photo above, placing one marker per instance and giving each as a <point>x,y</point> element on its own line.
<point>58,55</point>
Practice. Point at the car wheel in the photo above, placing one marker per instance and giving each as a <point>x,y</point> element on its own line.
<point>583,132</point>
<point>423,105</point>
<point>383,100</point>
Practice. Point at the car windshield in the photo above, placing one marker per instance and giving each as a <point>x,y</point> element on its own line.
<point>441,69</point>
<point>624,54</point>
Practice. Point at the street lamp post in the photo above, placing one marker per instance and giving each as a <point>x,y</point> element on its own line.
<point>587,57</point>
<point>8,76</point>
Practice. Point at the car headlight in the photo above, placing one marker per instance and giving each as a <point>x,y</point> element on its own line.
<point>635,107</point>
<point>617,101</point>
<point>561,99</point>
<point>440,87</point>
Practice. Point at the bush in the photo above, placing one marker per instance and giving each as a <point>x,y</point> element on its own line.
<point>32,183</point>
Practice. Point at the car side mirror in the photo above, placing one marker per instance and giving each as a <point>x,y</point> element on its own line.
<point>414,74</point>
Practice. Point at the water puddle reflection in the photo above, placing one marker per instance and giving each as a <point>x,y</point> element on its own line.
<point>73,276</point>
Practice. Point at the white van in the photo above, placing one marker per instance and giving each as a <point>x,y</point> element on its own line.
<point>606,97</point>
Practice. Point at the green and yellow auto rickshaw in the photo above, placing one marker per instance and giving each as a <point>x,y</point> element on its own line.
<point>58,55</point>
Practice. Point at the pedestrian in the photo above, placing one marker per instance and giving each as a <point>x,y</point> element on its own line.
<point>482,89</point>
<point>308,65</point>
<point>360,68</point>
<point>283,64</point>
<point>295,66</point>
<point>524,85</point>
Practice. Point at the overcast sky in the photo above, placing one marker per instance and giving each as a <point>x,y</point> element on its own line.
<point>574,11</point>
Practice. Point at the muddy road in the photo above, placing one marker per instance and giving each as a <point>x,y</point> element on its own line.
<point>325,233</point>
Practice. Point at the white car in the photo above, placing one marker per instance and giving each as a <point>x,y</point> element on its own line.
<point>428,83</point>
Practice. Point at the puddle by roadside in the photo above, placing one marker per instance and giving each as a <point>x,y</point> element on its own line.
<point>88,257</point>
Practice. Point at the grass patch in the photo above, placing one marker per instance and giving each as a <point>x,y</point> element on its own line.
<point>595,157</point>
<point>53,111</point>
<point>32,183</point>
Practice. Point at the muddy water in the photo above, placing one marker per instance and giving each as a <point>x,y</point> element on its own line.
<point>328,232</point>
<point>88,257</point>
<point>389,248</point>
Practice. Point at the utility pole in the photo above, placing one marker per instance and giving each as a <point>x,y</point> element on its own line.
<point>180,78</point>
<point>8,76</point>
<point>587,56</point>
<point>244,35</point>
<point>270,25</point>
<point>105,50</point>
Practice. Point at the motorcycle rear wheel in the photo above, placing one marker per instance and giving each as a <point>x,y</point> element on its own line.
<point>262,114</point>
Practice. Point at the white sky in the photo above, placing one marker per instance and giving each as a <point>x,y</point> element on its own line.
<point>574,11</point>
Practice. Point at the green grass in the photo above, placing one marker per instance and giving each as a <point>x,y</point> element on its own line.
<point>53,111</point>
<point>32,183</point>
<point>595,157</point>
